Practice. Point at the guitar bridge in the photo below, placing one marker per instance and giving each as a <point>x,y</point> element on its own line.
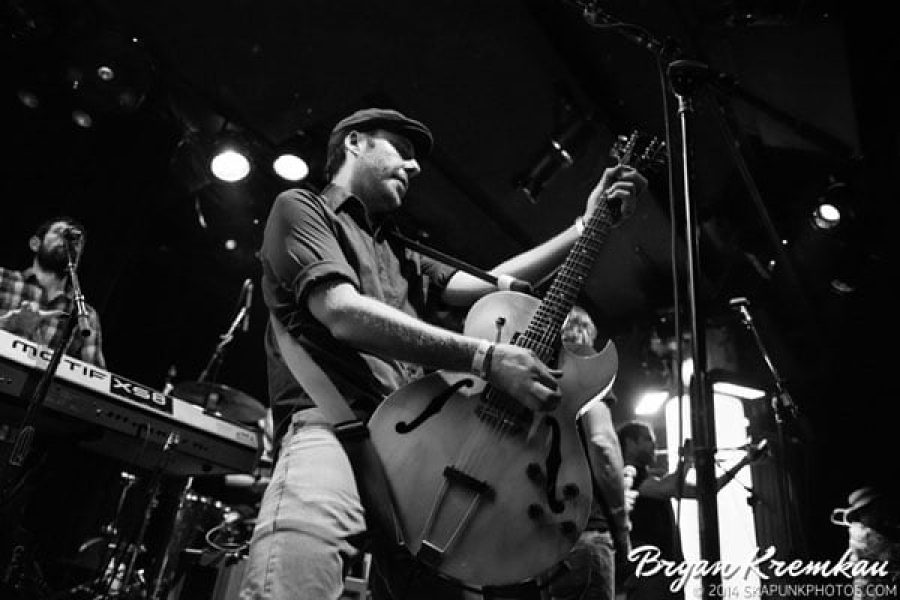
<point>482,488</point>
<point>429,554</point>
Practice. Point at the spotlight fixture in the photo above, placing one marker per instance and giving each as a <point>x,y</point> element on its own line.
<point>650,402</point>
<point>559,153</point>
<point>290,167</point>
<point>736,385</point>
<point>832,207</point>
<point>289,156</point>
<point>229,155</point>
<point>109,74</point>
<point>229,164</point>
<point>826,216</point>
<point>82,118</point>
<point>28,98</point>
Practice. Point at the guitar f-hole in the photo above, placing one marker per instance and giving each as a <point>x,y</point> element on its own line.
<point>434,407</point>
<point>554,460</point>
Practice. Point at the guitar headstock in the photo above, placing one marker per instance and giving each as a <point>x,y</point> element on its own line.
<point>638,150</point>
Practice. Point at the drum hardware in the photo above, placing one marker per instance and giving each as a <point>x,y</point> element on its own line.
<point>203,532</point>
<point>120,577</point>
<point>217,398</point>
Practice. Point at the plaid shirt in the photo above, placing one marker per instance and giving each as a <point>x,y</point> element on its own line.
<point>17,287</point>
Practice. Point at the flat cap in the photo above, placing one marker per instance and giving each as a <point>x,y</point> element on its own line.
<point>370,119</point>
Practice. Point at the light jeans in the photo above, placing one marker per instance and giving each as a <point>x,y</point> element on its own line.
<point>310,515</point>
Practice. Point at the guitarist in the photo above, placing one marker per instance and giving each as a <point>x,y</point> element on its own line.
<point>353,302</point>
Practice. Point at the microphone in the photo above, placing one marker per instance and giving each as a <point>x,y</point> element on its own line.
<point>742,305</point>
<point>757,450</point>
<point>248,302</point>
<point>72,233</point>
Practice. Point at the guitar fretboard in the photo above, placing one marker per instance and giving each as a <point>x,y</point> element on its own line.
<point>542,335</point>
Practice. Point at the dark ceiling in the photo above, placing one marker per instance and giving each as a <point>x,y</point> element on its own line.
<point>805,107</point>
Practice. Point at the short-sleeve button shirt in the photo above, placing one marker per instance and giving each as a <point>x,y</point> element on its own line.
<point>311,238</point>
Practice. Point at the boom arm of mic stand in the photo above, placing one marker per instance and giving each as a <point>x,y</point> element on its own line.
<point>455,262</point>
<point>219,353</point>
<point>782,399</point>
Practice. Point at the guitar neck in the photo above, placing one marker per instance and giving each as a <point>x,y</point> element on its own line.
<point>543,331</point>
<point>542,334</point>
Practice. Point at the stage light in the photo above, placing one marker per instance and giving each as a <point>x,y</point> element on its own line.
<point>650,402</point>
<point>290,167</point>
<point>82,118</point>
<point>842,287</point>
<point>561,152</point>
<point>105,73</point>
<point>736,385</point>
<point>28,98</point>
<point>230,165</point>
<point>832,207</point>
<point>724,382</point>
<point>738,391</point>
<point>826,216</point>
<point>109,74</point>
<point>230,244</point>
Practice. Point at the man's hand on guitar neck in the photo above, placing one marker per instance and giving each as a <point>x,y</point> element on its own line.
<point>620,184</point>
<point>520,373</point>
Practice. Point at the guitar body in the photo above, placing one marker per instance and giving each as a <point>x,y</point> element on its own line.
<point>485,497</point>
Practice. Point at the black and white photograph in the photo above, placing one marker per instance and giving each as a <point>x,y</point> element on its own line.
<point>472,300</point>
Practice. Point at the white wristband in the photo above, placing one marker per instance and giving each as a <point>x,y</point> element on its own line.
<point>478,361</point>
<point>504,282</point>
<point>579,224</point>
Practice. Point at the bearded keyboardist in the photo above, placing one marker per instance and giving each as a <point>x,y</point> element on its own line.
<point>52,505</point>
<point>35,302</point>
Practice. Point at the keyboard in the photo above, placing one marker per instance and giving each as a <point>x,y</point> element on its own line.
<point>114,416</point>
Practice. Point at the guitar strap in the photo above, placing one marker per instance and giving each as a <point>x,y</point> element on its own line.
<point>371,481</point>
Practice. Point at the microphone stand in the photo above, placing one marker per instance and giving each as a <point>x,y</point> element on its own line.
<point>783,408</point>
<point>685,78</point>
<point>25,437</point>
<point>500,281</point>
<point>211,371</point>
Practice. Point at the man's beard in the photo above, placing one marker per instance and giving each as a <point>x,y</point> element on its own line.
<point>55,260</point>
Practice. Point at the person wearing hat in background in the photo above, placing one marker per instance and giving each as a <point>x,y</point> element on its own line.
<point>873,530</point>
<point>354,303</point>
